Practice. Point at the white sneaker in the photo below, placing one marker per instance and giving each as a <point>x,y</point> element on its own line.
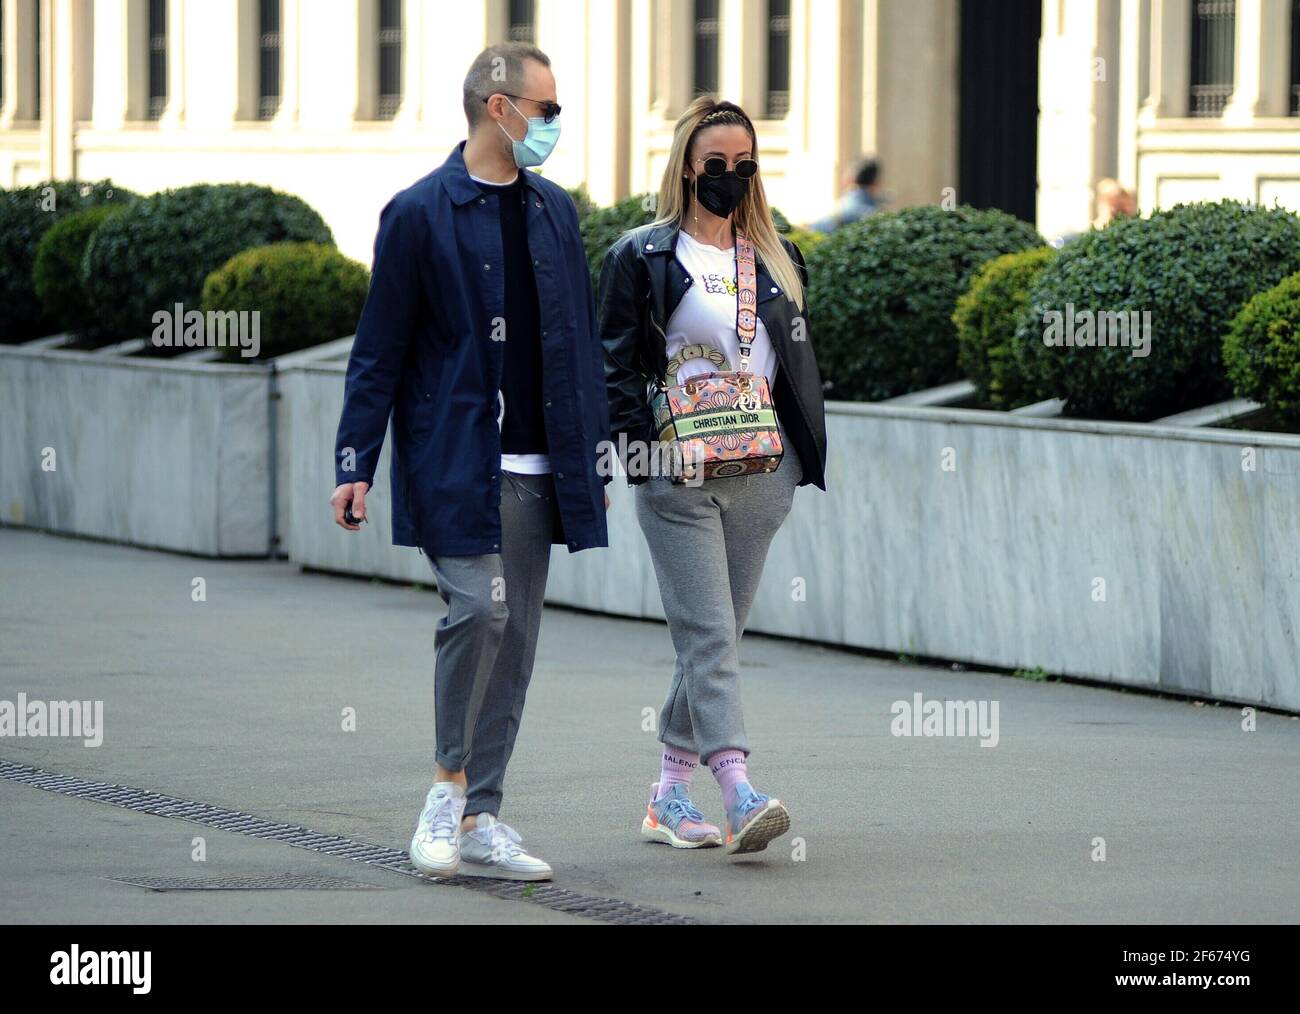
<point>494,849</point>
<point>435,849</point>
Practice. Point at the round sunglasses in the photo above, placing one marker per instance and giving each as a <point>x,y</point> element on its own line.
<point>716,165</point>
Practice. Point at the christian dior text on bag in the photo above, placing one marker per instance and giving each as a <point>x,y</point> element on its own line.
<point>723,423</point>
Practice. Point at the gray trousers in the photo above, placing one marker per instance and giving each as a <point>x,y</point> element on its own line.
<point>487,641</point>
<point>709,543</point>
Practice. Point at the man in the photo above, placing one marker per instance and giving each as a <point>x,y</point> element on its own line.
<point>862,198</point>
<point>479,339</point>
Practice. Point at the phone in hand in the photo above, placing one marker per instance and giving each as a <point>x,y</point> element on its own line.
<point>351,518</point>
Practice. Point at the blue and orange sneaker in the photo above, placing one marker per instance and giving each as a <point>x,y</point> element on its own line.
<point>753,820</point>
<point>675,820</point>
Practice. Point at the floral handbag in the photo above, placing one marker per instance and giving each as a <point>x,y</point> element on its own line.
<point>721,424</point>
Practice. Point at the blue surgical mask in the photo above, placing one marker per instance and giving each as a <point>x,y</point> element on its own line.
<point>538,141</point>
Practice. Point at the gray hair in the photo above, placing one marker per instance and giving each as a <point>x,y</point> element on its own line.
<point>499,68</point>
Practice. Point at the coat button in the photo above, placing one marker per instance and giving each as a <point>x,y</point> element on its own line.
<point>536,263</point>
<point>559,475</point>
<point>775,290</point>
<point>649,246</point>
<point>548,404</point>
<point>482,200</point>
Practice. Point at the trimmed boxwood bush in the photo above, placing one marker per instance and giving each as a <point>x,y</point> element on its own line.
<point>26,213</point>
<point>1192,268</point>
<point>882,292</point>
<point>604,226</point>
<point>581,200</point>
<point>57,275</point>
<point>804,239</point>
<point>986,318</point>
<point>1262,350</point>
<point>306,293</point>
<point>160,250</point>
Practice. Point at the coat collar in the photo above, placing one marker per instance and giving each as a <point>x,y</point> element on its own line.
<point>462,189</point>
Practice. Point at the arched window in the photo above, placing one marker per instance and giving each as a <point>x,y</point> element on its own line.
<point>706,47</point>
<point>268,66</point>
<point>390,58</point>
<point>1214,31</point>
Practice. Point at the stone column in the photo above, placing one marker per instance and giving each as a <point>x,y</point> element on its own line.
<point>291,15</point>
<point>328,52</point>
<point>218,53</point>
<point>20,64</point>
<point>63,65</point>
<point>1261,62</point>
<point>743,55</point>
<point>1132,84</point>
<point>174,112</point>
<point>414,48</point>
<point>121,72</point>
<point>1170,61</point>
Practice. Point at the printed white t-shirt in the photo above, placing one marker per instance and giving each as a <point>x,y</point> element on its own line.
<point>707,313</point>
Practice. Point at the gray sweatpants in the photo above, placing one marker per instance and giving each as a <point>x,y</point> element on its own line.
<point>709,543</point>
<point>487,641</point>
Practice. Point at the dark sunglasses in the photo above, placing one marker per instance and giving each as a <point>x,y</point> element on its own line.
<point>550,110</point>
<point>716,165</point>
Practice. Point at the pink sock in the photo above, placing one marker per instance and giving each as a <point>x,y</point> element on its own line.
<point>676,768</point>
<point>728,767</point>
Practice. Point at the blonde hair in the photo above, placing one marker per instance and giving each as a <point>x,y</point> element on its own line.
<point>752,216</point>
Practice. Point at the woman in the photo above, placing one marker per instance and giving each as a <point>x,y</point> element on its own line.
<point>668,289</point>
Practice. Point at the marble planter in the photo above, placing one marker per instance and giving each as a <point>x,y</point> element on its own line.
<point>1144,555</point>
<point>165,454</point>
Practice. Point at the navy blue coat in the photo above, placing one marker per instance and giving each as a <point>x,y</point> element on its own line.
<point>425,357</point>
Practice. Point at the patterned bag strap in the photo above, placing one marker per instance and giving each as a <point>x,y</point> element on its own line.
<point>746,298</point>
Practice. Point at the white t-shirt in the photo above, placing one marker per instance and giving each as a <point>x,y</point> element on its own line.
<point>707,313</point>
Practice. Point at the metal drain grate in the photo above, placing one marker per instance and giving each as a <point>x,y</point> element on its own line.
<point>609,910</point>
<point>272,882</point>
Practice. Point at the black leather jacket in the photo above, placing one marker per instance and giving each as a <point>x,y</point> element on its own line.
<point>641,283</point>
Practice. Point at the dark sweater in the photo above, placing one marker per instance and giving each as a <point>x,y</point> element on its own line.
<point>523,426</point>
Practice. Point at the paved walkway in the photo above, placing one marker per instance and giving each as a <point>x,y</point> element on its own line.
<point>239,701</point>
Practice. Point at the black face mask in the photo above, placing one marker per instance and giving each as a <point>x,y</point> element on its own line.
<point>720,194</point>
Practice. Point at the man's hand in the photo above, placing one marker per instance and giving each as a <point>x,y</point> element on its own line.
<point>355,494</point>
